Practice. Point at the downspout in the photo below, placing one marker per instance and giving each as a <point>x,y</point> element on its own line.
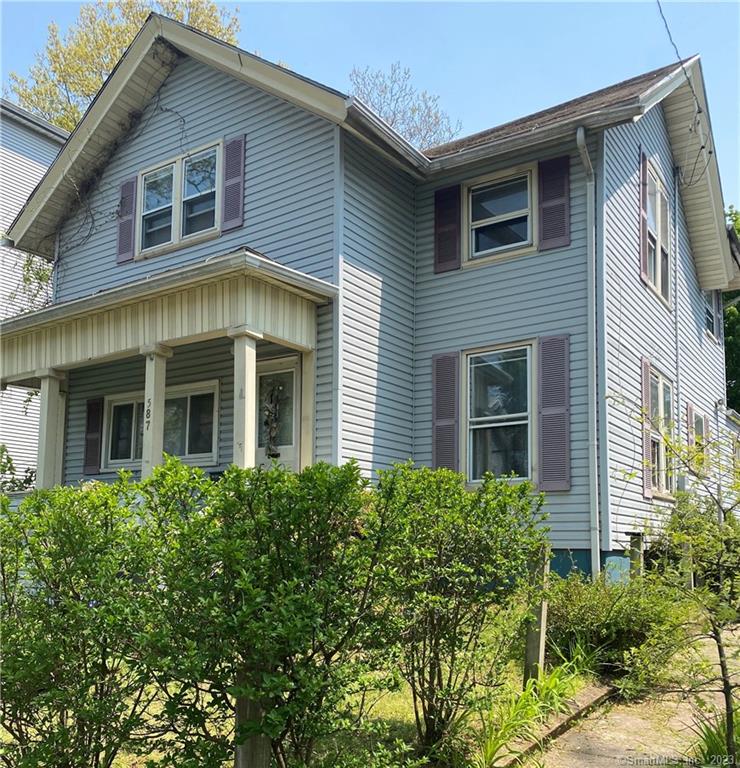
<point>674,278</point>
<point>593,455</point>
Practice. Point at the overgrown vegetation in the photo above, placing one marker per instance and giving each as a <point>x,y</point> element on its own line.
<point>183,617</point>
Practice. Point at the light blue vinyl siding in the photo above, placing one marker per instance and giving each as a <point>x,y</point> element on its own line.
<point>289,181</point>
<point>509,301</point>
<point>377,310</point>
<point>640,325</point>
<point>25,154</point>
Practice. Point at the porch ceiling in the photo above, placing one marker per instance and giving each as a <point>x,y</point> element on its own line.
<point>242,290</point>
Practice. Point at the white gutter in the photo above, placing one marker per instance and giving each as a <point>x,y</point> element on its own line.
<point>242,260</point>
<point>593,446</point>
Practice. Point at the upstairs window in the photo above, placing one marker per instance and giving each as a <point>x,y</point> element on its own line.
<point>180,200</point>
<point>199,192</point>
<point>710,312</point>
<point>500,216</point>
<point>157,207</point>
<point>658,237</point>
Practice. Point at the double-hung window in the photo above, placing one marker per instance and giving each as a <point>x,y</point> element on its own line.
<point>180,200</point>
<point>658,237</point>
<point>710,312</point>
<point>661,425</point>
<point>190,425</point>
<point>499,411</point>
<point>500,215</point>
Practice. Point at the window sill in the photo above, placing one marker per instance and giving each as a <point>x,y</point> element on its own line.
<point>664,496</point>
<point>712,337</point>
<point>160,250</point>
<point>470,263</point>
<point>659,296</point>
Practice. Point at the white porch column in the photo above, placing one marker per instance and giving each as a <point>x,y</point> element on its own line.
<point>51,429</point>
<point>308,407</point>
<point>245,396</point>
<point>154,387</point>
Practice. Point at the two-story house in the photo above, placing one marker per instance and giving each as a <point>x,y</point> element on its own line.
<point>249,265</point>
<point>28,144</point>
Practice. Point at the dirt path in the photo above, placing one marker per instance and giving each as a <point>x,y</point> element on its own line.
<point>626,734</point>
<point>657,731</point>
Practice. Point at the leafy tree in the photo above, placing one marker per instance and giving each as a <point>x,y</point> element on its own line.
<point>732,330</point>
<point>9,480</point>
<point>454,578</point>
<point>416,115</point>
<point>72,68</point>
<point>70,563</point>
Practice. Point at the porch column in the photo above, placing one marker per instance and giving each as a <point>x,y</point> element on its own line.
<point>245,396</point>
<point>154,387</point>
<point>51,429</point>
<point>308,408</point>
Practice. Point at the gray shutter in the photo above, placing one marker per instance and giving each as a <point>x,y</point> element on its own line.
<point>445,409</point>
<point>93,436</point>
<point>233,184</point>
<point>690,425</point>
<point>554,202</point>
<point>643,217</point>
<point>447,229</point>
<point>126,222</point>
<point>554,413</point>
<point>647,469</point>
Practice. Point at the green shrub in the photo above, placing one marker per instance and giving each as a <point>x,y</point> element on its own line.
<point>455,581</point>
<point>71,561</point>
<point>614,623</point>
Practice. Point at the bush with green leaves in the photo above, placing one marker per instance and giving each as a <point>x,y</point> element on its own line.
<point>615,623</point>
<point>267,590</point>
<point>456,579</point>
<point>71,568</point>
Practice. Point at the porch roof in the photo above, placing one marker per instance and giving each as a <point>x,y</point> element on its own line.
<point>241,289</point>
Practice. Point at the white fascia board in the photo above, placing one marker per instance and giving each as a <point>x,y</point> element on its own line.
<point>244,260</point>
<point>262,74</point>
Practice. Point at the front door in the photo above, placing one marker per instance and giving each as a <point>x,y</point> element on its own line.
<point>278,417</point>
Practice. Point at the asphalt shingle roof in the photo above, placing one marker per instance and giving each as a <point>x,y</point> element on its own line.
<point>614,95</point>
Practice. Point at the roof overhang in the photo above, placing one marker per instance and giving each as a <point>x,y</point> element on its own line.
<point>695,158</point>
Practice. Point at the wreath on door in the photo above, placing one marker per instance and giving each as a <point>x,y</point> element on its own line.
<point>275,398</point>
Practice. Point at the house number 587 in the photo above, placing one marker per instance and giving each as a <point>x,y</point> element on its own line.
<point>148,413</point>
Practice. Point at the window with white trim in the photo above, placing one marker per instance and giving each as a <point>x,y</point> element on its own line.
<point>190,425</point>
<point>658,237</point>
<point>499,412</point>
<point>179,199</point>
<point>710,312</point>
<point>661,430</point>
<point>500,215</point>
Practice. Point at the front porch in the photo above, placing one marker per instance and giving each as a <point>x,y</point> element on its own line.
<point>176,364</point>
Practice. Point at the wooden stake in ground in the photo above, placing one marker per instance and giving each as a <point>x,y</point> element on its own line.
<point>534,651</point>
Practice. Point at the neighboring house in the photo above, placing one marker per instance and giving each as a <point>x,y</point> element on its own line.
<point>250,265</point>
<point>28,145</point>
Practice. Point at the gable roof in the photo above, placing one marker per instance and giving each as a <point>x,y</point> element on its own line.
<point>162,42</point>
<point>625,95</point>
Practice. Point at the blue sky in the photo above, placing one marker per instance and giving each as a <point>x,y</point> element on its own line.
<point>488,62</point>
